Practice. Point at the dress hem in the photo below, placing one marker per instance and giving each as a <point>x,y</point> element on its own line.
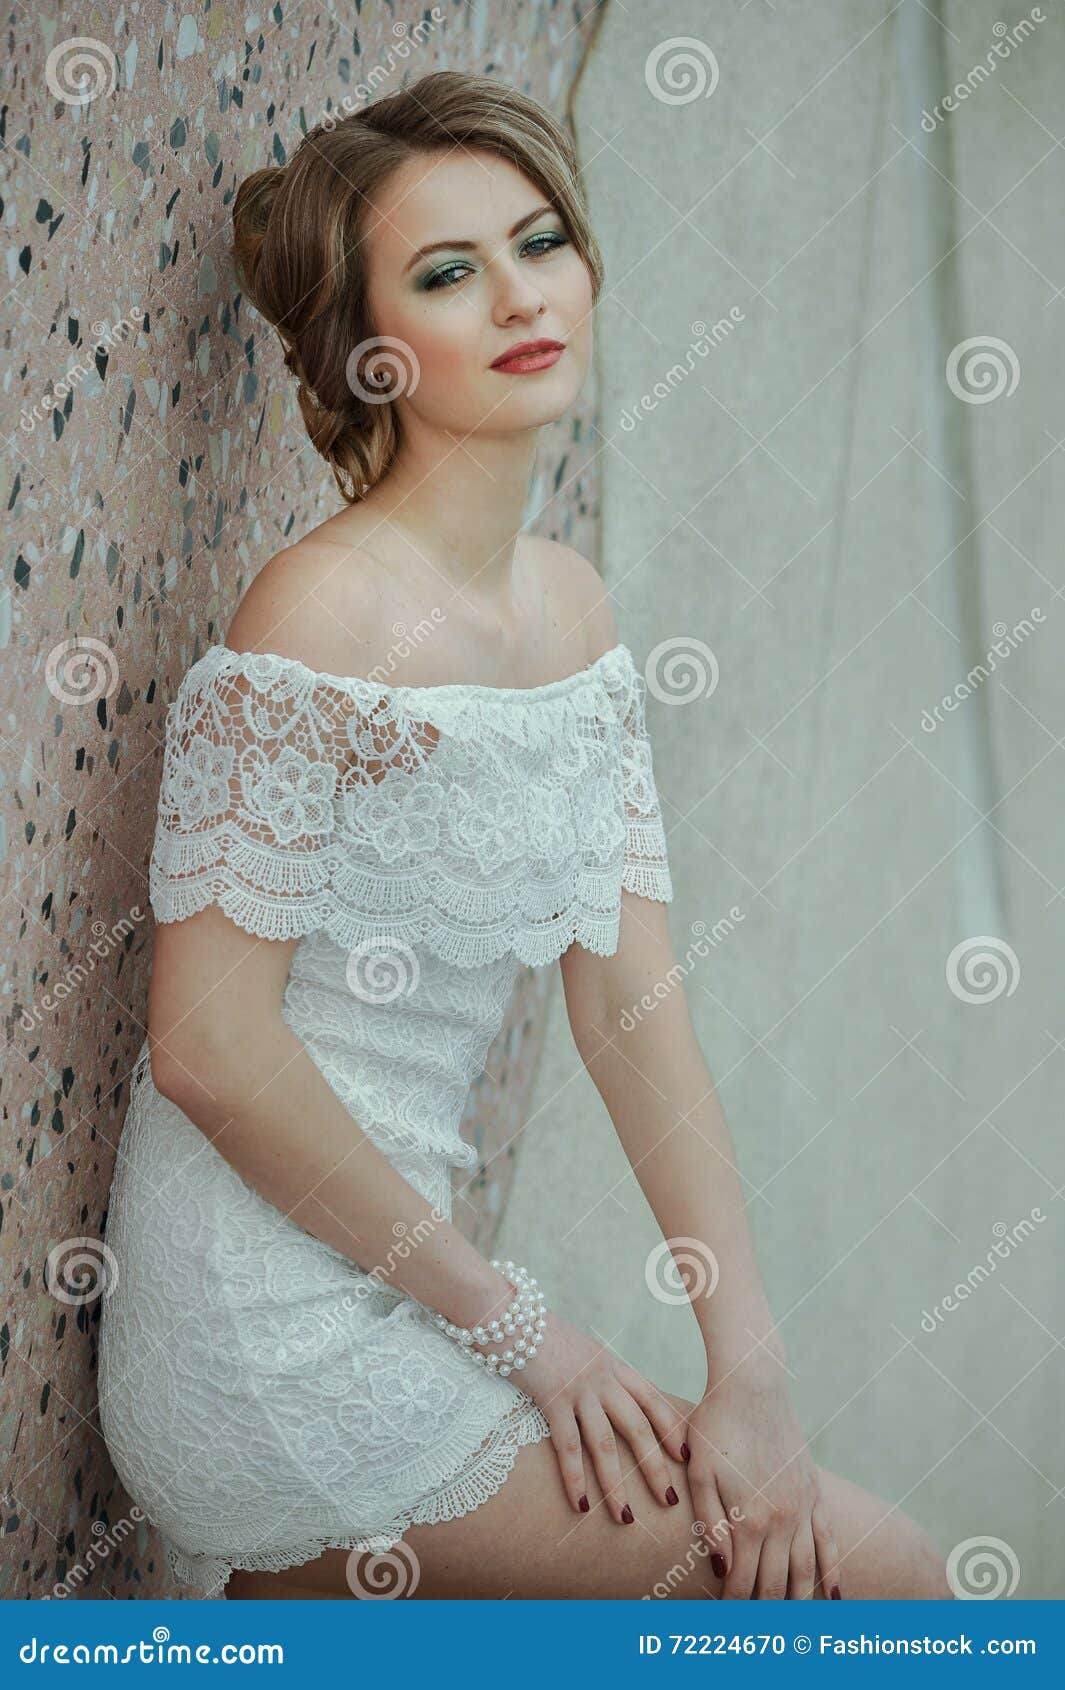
<point>480,1477</point>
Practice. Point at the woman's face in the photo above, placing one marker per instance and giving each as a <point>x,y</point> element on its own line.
<point>502,271</point>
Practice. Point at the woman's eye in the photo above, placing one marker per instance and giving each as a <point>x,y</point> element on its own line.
<point>551,237</point>
<point>446,277</point>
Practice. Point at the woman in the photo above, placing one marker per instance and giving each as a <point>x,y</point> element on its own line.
<point>355,851</point>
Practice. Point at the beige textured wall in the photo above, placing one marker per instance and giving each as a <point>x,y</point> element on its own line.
<point>847,534</point>
<point>147,481</point>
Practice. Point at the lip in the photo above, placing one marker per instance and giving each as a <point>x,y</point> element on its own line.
<point>529,355</point>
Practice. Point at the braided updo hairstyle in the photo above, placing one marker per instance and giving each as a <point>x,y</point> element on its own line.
<point>298,246</point>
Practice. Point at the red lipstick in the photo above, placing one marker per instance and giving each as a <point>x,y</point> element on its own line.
<point>529,355</point>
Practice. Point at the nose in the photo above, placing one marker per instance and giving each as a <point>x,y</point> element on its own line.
<point>516,295</point>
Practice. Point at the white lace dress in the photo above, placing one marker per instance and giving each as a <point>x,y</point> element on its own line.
<point>262,1398</point>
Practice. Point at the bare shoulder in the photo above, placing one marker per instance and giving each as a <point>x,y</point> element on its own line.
<point>318,602</point>
<point>579,592</point>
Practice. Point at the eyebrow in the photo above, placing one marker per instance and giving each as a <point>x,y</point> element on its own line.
<point>471,246</point>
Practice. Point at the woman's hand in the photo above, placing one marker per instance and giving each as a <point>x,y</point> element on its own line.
<point>755,1487</point>
<point>588,1394</point>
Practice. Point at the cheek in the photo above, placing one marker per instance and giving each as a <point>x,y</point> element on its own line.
<point>445,341</point>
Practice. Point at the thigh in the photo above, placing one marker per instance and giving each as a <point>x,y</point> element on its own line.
<point>525,1541</point>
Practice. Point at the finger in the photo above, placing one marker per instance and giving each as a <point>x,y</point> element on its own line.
<point>827,1552</point>
<point>715,1537</point>
<point>747,1540</point>
<point>628,1418</point>
<point>670,1426</point>
<point>598,1435</point>
<point>566,1437</point>
<point>771,1581</point>
<point>802,1566</point>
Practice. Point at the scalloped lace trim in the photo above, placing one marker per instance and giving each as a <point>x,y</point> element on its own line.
<point>473,820</point>
<point>481,1475</point>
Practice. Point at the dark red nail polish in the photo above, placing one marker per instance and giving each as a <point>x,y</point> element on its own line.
<point>671,1496</point>
<point>836,1597</point>
<point>718,1563</point>
<point>685,1452</point>
<point>627,1515</point>
<point>582,1504</point>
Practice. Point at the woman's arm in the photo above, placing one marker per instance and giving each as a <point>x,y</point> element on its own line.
<point>753,1482</point>
<point>651,1074</point>
<point>223,1052</point>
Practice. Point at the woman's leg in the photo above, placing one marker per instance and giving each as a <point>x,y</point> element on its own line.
<point>526,1542</point>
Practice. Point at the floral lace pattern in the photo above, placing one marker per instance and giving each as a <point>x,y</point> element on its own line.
<point>479,821</point>
<point>262,1398</point>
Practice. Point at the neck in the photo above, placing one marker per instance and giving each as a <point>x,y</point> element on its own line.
<point>459,504</point>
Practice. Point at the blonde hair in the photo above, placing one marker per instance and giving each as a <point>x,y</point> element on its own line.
<point>299,254</point>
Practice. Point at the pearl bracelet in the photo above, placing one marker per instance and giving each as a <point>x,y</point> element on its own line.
<point>524,1320</point>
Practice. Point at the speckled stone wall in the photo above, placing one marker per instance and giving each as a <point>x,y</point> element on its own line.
<point>155,459</point>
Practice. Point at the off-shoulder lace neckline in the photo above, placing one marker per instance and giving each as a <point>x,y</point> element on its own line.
<point>438,689</point>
